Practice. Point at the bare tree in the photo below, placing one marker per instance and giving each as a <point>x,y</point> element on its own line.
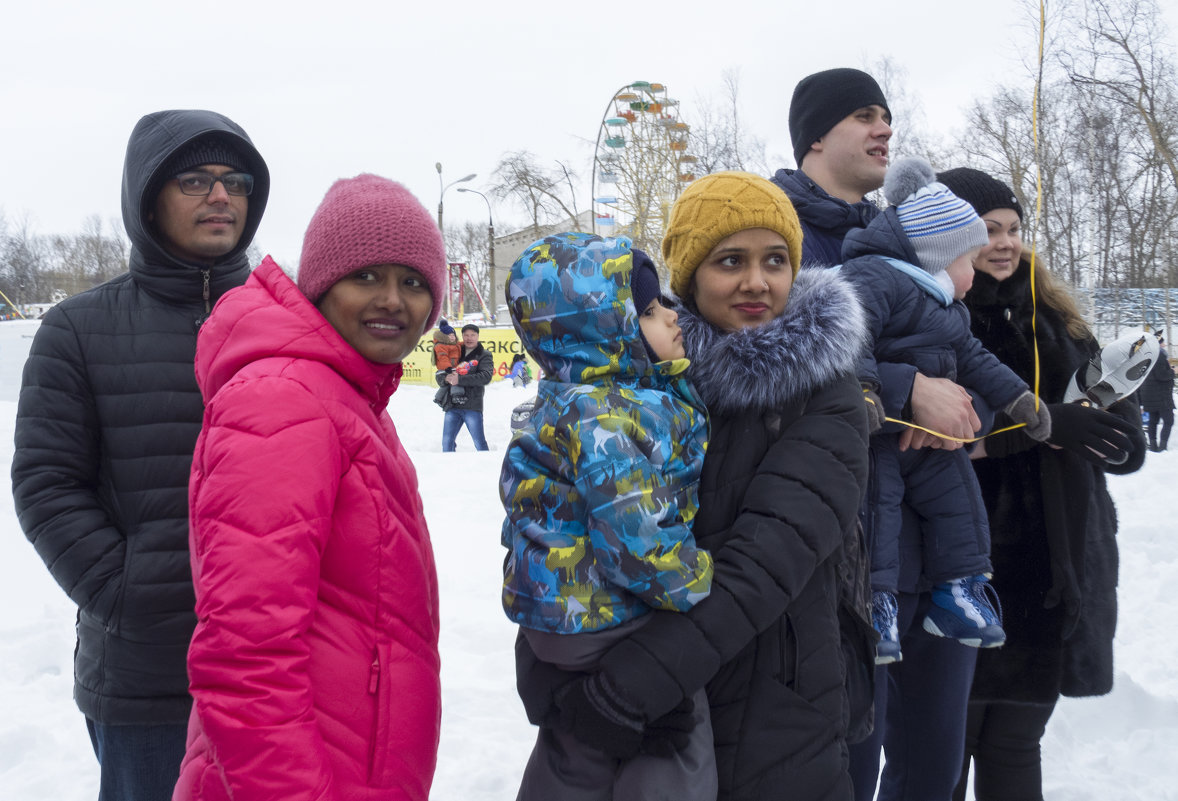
<point>718,138</point>
<point>1124,61</point>
<point>539,191</point>
<point>467,244</point>
<point>23,262</point>
<point>911,135</point>
<point>1096,153</point>
<point>1123,79</point>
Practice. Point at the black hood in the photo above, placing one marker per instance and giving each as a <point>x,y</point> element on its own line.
<point>155,138</point>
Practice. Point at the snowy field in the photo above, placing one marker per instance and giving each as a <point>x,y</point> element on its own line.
<point>1120,747</point>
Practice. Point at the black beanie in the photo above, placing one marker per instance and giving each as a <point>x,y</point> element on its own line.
<point>644,280</point>
<point>211,149</point>
<point>822,100</point>
<point>980,190</point>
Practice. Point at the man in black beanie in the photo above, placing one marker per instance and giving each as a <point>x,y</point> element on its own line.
<point>840,125</point>
<point>107,421</point>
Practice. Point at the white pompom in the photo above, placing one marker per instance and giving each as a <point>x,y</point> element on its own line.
<point>906,177</point>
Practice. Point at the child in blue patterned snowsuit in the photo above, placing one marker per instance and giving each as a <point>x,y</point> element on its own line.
<point>600,489</point>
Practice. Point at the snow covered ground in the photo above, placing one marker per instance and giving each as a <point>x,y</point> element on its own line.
<point>1122,746</point>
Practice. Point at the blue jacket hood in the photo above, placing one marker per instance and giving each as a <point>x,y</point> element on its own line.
<point>571,304</point>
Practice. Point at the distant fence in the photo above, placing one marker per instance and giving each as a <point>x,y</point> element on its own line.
<point>1111,312</point>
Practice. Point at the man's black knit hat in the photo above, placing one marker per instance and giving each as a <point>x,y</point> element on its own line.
<point>980,190</point>
<point>209,149</point>
<point>821,100</point>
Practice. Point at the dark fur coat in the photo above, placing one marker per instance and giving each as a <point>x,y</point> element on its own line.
<point>1055,555</point>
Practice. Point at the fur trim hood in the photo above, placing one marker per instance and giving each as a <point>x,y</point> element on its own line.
<point>820,336</point>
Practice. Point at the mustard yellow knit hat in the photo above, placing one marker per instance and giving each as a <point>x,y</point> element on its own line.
<point>717,206</point>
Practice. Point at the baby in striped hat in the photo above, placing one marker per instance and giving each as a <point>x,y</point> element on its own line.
<point>911,267</point>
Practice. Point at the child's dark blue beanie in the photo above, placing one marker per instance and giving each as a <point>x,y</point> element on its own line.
<point>644,280</point>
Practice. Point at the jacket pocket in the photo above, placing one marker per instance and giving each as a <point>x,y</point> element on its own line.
<point>379,690</point>
<point>787,672</point>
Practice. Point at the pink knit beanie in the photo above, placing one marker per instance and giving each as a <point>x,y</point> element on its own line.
<point>369,220</point>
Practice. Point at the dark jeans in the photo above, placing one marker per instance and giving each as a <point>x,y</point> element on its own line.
<point>920,706</point>
<point>455,419</point>
<point>138,763</point>
<point>1003,740</point>
<point>1167,418</point>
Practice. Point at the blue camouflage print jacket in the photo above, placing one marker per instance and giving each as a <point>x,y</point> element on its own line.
<point>601,486</point>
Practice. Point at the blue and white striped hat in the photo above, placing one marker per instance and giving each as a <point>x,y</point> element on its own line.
<point>940,225</point>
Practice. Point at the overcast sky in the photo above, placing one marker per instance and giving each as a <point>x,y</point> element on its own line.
<point>333,89</point>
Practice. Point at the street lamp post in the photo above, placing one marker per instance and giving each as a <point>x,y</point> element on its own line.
<point>441,195</point>
<point>442,190</point>
<point>490,224</point>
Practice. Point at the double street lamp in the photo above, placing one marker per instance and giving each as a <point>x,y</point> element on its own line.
<point>441,195</point>
<point>490,226</point>
<point>442,192</point>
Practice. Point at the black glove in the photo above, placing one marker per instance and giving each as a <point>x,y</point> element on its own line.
<point>1031,411</point>
<point>875,410</point>
<point>599,717</point>
<point>539,683</point>
<point>671,732</point>
<point>1096,435</point>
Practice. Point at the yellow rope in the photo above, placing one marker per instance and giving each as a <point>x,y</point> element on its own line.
<point>1038,200</point>
<point>1034,233</point>
<point>966,440</point>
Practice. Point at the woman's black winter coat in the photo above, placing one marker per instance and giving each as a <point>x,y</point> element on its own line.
<point>785,471</point>
<point>1052,521</point>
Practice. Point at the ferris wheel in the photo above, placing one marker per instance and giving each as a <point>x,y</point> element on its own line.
<point>640,164</point>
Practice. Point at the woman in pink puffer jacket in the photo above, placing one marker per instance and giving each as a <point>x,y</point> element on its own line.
<point>314,666</point>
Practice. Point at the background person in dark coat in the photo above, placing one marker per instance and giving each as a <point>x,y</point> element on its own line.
<point>464,404</point>
<point>772,354</point>
<point>108,417</point>
<point>1052,522</point>
<point>1157,398</point>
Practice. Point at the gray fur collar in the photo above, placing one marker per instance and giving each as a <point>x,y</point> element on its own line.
<point>820,336</point>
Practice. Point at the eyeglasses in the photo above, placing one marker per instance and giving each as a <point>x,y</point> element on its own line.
<point>201,183</point>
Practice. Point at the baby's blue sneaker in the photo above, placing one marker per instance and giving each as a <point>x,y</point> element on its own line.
<point>883,617</point>
<point>962,611</point>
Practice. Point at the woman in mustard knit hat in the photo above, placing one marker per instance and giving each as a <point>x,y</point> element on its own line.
<point>773,354</point>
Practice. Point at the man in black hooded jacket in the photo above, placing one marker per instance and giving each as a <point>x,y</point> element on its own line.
<point>108,417</point>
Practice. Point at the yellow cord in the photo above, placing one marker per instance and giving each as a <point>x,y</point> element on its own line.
<point>1034,232</point>
<point>966,440</point>
<point>1038,201</point>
